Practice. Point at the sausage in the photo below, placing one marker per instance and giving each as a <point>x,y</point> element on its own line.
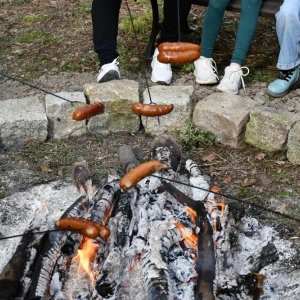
<point>151,110</point>
<point>139,172</point>
<point>177,57</point>
<point>85,227</point>
<point>178,46</point>
<point>90,110</point>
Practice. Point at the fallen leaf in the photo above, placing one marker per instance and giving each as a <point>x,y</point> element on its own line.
<point>260,156</point>
<point>282,208</point>
<point>211,157</point>
<point>280,162</point>
<point>227,180</point>
<point>45,168</point>
<point>248,182</point>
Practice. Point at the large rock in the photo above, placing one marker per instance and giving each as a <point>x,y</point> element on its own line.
<point>22,120</point>
<point>179,118</point>
<point>293,144</point>
<point>118,97</point>
<point>268,128</point>
<point>60,112</point>
<point>224,116</point>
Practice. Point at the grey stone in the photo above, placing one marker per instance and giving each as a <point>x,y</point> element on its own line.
<point>22,120</point>
<point>224,116</point>
<point>268,128</point>
<point>118,97</point>
<point>179,118</point>
<point>259,99</point>
<point>60,115</point>
<point>293,144</point>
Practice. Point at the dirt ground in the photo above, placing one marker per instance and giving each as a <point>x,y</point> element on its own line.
<point>263,178</point>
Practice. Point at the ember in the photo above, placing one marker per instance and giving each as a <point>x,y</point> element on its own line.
<point>170,238</point>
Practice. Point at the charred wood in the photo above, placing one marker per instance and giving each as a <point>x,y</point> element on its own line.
<point>52,250</point>
<point>167,150</point>
<point>198,206</point>
<point>206,260</point>
<point>11,277</point>
<point>127,158</point>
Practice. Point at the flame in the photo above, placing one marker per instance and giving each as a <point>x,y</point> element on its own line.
<point>85,255</point>
<point>192,213</point>
<point>215,207</point>
<point>190,237</point>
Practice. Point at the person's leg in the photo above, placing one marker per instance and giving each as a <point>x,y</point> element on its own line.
<point>205,67</point>
<point>233,77</point>
<point>169,29</point>
<point>288,32</point>
<point>162,73</point>
<point>247,26</point>
<point>105,19</point>
<point>211,25</point>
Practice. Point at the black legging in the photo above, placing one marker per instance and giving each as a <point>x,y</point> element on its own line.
<point>105,18</point>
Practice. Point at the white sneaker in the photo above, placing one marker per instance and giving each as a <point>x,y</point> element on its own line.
<point>205,71</point>
<point>232,80</point>
<point>109,72</point>
<point>161,73</point>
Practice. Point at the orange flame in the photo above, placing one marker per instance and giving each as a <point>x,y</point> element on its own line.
<point>192,213</point>
<point>190,238</point>
<point>85,255</point>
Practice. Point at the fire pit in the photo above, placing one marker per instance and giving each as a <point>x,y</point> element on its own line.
<point>170,237</point>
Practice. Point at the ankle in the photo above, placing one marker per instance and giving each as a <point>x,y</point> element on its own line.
<point>235,65</point>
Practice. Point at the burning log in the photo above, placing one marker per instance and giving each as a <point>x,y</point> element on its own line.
<point>52,250</point>
<point>11,285</point>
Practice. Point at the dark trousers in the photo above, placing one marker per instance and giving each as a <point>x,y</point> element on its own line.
<point>105,18</point>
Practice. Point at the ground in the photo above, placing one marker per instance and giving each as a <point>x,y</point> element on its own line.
<point>49,44</point>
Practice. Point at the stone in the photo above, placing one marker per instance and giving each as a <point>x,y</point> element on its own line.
<point>21,121</point>
<point>60,115</point>
<point>179,118</point>
<point>293,144</point>
<point>118,97</point>
<point>268,128</point>
<point>224,116</point>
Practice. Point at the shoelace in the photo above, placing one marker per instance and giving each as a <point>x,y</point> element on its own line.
<point>233,73</point>
<point>212,66</point>
<point>285,75</point>
<point>114,62</point>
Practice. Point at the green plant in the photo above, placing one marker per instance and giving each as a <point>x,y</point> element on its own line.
<point>192,137</point>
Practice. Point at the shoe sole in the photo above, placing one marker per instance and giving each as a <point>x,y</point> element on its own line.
<point>226,91</point>
<point>160,81</point>
<point>206,82</point>
<point>110,75</point>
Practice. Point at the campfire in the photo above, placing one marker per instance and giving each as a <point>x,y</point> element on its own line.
<point>168,237</point>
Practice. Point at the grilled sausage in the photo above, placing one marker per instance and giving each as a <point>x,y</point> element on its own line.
<point>85,227</point>
<point>139,172</point>
<point>151,110</point>
<point>178,57</point>
<point>90,110</point>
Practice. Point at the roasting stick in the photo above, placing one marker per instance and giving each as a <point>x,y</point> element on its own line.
<point>140,108</point>
<point>81,113</point>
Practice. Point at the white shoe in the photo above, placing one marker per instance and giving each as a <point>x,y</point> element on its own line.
<point>232,80</point>
<point>109,72</point>
<point>161,73</point>
<point>205,71</point>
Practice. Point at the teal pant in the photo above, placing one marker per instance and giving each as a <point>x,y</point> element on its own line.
<point>212,23</point>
